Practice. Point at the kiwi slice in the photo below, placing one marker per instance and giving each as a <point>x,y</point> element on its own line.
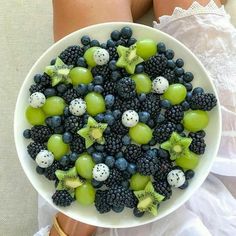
<point>128,58</point>
<point>148,199</point>
<point>59,72</point>
<point>177,146</point>
<point>68,180</point>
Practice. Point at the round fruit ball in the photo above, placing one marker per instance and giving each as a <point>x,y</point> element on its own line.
<point>138,181</point>
<point>80,75</point>
<point>89,56</point>
<point>35,116</point>
<point>44,159</point>
<point>100,172</point>
<point>176,93</point>
<point>77,107</point>
<point>37,99</point>
<point>176,178</point>
<point>101,56</point>
<point>54,106</point>
<point>146,48</point>
<point>141,133</point>
<point>160,85</point>
<point>143,83</point>
<point>85,194</point>
<point>188,162</point>
<point>130,118</point>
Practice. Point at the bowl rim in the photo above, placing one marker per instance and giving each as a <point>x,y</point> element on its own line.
<point>201,178</point>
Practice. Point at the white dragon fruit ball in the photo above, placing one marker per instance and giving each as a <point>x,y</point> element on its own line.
<point>176,178</point>
<point>44,159</point>
<point>77,107</point>
<point>37,99</point>
<point>101,56</point>
<point>130,118</point>
<point>101,172</point>
<point>160,85</point>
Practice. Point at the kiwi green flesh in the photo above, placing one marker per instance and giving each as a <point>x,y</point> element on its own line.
<point>146,202</point>
<point>73,182</point>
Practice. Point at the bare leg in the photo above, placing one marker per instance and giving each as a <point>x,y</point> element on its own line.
<point>140,7</point>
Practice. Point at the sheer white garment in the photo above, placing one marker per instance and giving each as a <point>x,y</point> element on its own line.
<point>208,32</point>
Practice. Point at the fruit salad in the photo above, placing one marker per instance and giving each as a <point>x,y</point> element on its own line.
<point>117,125</point>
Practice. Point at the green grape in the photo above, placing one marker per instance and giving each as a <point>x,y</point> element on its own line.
<point>95,103</point>
<point>35,116</point>
<point>146,48</point>
<point>80,75</point>
<point>176,93</point>
<point>140,133</point>
<point>54,106</point>
<point>138,181</point>
<point>84,166</point>
<point>143,83</point>
<point>188,162</point>
<point>88,56</point>
<point>195,120</point>
<point>85,194</point>
<point>57,146</point>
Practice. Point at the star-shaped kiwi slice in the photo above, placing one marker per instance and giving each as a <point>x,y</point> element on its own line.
<point>148,199</point>
<point>59,72</point>
<point>177,146</point>
<point>93,132</point>
<point>128,58</point>
<point>68,180</point>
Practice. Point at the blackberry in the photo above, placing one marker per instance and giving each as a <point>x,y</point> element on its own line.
<point>163,188</point>
<point>113,53</point>
<point>169,75</point>
<point>147,164</point>
<point>174,114</point>
<point>103,70</point>
<point>124,105</point>
<point>151,104</point>
<point>163,131</point>
<point>109,88</point>
<point>62,198</point>
<point>34,148</point>
<point>71,54</point>
<point>165,166</point>
<point>123,72</point>
<point>155,65</point>
<point>101,203</point>
<point>73,123</point>
<point>50,171</point>
<point>113,143</point>
<point>125,88</point>
<point>45,80</point>
<point>36,88</point>
<point>77,145</point>
<point>115,178</point>
<point>203,101</point>
<point>132,153</point>
<point>70,95</point>
<point>119,128</point>
<point>198,144</point>
<point>40,133</point>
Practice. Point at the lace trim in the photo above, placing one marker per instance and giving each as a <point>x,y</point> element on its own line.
<point>194,9</point>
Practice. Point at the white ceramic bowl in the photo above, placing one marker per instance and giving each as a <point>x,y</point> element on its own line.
<point>89,214</point>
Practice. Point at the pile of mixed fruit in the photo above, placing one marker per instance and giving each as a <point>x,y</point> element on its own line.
<point>117,124</point>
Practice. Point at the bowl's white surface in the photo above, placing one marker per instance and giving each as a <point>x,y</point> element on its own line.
<point>125,219</point>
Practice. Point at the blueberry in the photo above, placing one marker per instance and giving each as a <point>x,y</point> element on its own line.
<point>171,64</point>
<point>188,77</point>
<point>142,97</point>
<point>112,65</point>
<point>119,155</point>
<point>110,161</point>
<point>188,86</point>
<point>98,89</point>
<point>189,96</point>
<point>40,170</point>
<point>96,184</point>
<point>160,118</point>
<point>165,104</point>
<point>53,61</point>
<point>139,69</point>
<point>99,117</point>
<point>179,128</point>
<point>115,75</point>
<point>67,137</point>
<point>144,116</point>
<point>145,147</point>
<point>117,209</point>
<point>37,78</point>
<point>27,133</point>
<point>85,48</point>
<point>85,40</point>
<point>179,71</point>
<point>138,213</point>
<point>59,130</point>
<point>107,130</point>
<point>151,123</point>
<point>115,35</point>
<point>99,147</point>
<point>179,62</point>
<point>94,43</point>
<point>82,89</point>
<point>153,142</point>
<point>121,163</point>
<point>98,80</point>
<point>73,156</point>
<point>153,152</point>
<point>126,32</point>
<point>170,54</point>
<point>198,90</point>
<point>61,88</point>
<point>109,119</point>
<point>65,160</point>
<point>185,185</point>
<point>56,121</point>
<point>132,168</point>
<point>125,184</point>
<point>103,45</point>
<point>181,80</point>
<point>163,153</point>
<point>48,121</point>
<point>110,43</point>
<point>49,92</point>
<point>91,150</point>
<point>117,114</point>
<point>81,62</point>
<point>185,105</point>
<point>109,100</point>
<point>121,42</point>
<point>90,87</point>
<point>131,41</point>
<point>97,157</point>
<point>189,174</point>
<point>161,47</point>
<point>126,140</point>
